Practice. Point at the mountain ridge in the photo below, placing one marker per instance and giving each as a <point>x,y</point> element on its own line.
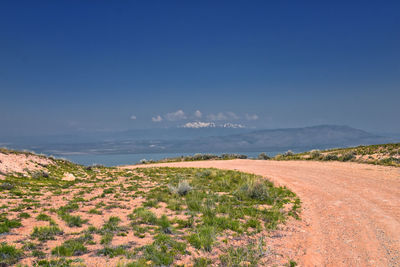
<point>186,141</point>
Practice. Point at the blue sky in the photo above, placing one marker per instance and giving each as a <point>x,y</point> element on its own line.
<point>68,66</point>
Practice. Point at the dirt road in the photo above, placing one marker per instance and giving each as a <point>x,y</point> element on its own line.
<point>351,211</point>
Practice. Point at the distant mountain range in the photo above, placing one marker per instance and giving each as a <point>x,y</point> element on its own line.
<point>202,140</point>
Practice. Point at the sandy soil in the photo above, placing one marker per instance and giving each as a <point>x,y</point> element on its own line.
<point>21,163</point>
<point>351,212</point>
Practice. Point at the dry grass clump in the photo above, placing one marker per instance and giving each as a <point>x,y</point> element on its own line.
<point>182,189</point>
<point>255,189</point>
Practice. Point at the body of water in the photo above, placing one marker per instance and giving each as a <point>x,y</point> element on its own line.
<point>126,159</point>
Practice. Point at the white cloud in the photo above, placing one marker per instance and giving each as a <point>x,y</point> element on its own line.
<point>251,117</point>
<point>156,118</point>
<point>133,117</point>
<point>217,117</point>
<point>198,114</point>
<point>223,116</point>
<point>232,125</point>
<point>199,124</point>
<point>232,115</point>
<point>177,115</point>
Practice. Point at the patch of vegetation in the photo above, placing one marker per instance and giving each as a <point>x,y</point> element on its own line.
<point>263,156</point>
<point>44,233</point>
<point>203,238</point>
<point>182,189</point>
<point>109,229</point>
<point>201,262</point>
<point>73,221</point>
<point>6,224</point>
<point>6,186</point>
<point>60,262</point>
<point>9,254</point>
<point>43,217</point>
<point>382,154</point>
<point>163,250</point>
<point>72,247</point>
<point>143,216</point>
<point>112,251</point>
<point>24,215</point>
<point>95,211</point>
<point>196,157</point>
<point>242,256</point>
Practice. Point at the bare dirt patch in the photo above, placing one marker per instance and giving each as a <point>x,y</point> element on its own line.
<point>21,163</point>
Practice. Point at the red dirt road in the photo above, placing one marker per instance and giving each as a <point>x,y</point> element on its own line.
<point>351,212</point>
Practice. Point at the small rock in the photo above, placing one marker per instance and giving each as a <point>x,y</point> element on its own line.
<point>68,177</point>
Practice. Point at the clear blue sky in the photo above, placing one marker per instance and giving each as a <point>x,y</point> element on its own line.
<point>68,66</point>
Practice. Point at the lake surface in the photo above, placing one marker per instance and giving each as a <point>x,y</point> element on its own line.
<point>124,159</point>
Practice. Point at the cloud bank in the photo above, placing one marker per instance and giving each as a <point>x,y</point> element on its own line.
<point>175,116</point>
<point>157,118</point>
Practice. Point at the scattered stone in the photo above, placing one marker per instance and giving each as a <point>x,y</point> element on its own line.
<point>68,177</point>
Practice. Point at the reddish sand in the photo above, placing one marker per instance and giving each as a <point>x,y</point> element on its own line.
<point>351,212</point>
<point>21,163</point>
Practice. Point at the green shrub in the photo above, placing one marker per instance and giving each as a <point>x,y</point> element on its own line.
<point>203,174</point>
<point>143,216</point>
<point>240,256</point>
<point>174,204</point>
<point>40,174</point>
<point>106,238</point>
<point>108,191</point>
<point>347,157</point>
<point>6,224</point>
<point>182,189</point>
<point>315,154</point>
<point>112,225</point>
<point>255,189</point>
<point>203,238</point>
<point>24,215</point>
<point>73,221</point>
<point>330,157</point>
<point>291,263</point>
<point>202,262</point>
<point>60,262</point>
<point>7,186</point>
<point>263,156</point>
<point>112,251</point>
<point>43,217</point>
<point>288,153</point>
<point>163,250</point>
<point>194,201</point>
<point>138,263</point>
<point>164,224</point>
<point>70,247</point>
<point>44,233</point>
<point>9,254</point>
<point>95,211</point>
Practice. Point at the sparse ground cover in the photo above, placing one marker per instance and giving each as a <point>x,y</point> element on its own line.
<point>384,154</point>
<point>141,217</point>
<point>196,157</point>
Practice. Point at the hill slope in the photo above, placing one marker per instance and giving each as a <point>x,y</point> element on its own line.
<point>144,217</point>
<point>382,154</point>
<point>300,138</point>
